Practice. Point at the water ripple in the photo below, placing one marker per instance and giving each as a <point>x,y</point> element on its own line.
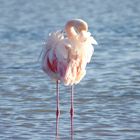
<point>107,101</point>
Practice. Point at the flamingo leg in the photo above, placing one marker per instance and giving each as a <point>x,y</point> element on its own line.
<point>72,111</point>
<point>57,108</point>
<point>57,99</point>
<point>72,103</point>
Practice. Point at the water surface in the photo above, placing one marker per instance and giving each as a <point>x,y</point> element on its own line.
<point>107,101</point>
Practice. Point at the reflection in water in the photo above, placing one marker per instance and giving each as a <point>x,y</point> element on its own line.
<point>57,126</point>
<point>71,127</point>
<point>58,112</point>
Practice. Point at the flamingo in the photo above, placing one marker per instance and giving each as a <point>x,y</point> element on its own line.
<point>66,55</point>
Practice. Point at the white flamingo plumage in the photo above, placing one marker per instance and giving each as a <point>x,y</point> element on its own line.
<point>66,55</point>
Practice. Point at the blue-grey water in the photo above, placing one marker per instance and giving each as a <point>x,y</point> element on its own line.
<point>107,100</point>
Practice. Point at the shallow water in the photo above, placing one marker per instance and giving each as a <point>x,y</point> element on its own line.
<point>107,101</point>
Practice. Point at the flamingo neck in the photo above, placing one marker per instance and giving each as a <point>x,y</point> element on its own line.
<point>74,27</point>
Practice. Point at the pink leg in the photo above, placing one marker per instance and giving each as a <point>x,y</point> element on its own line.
<point>72,111</point>
<point>57,99</point>
<point>57,108</point>
<point>72,106</point>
